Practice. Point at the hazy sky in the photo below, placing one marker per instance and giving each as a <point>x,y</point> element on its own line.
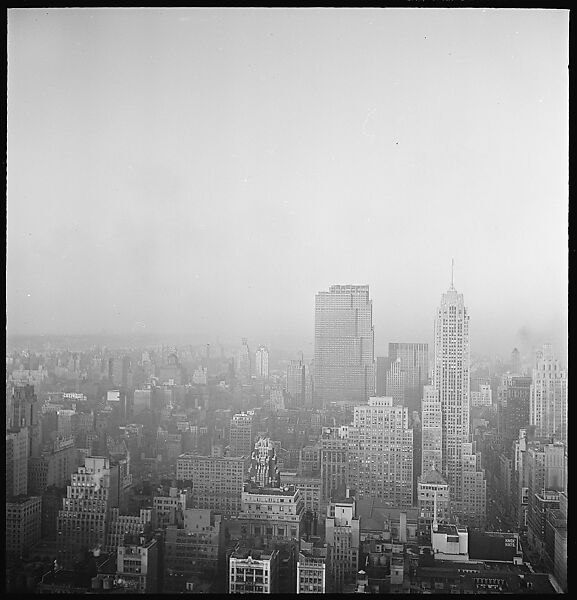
<point>208,171</point>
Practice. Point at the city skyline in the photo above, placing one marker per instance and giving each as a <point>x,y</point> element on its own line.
<point>206,171</point>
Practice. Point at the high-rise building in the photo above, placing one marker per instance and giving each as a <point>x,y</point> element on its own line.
<point>381,453</point>
<point>244,362</point>
<point>273,514</point>
<point>414,362</point>
<point>26,413</point>
<point>344,345</point>
<point>432,430</point>
<point>192,551</point>
<point>83,520</point>
<point>263,468</point>
<point>396,382</point>
<point>17,448</point>
<point>23,524</point>
<point>343,532</point>
<point>334,461</point>
<point>261,362</point>
<point>53,467</point>
<point>548,405</point>
<point>241,434</point>
<point>513,400</point>
<point>217,481</point>
<point>546,478</point>
<point>382,365</point>
<point>296,381</point>
<point>451,378</point>
<point>516,362</point>
<point>141,401</point>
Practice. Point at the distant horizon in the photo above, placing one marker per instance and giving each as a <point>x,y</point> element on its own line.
<point>210,170</point>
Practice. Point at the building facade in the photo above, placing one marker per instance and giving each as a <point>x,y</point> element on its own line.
<point>451,378</point>
<point>344,345</point>
<point>548,404</point>
<point>217,481</point>
<point>381,453</point>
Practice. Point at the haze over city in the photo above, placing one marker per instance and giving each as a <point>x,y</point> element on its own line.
<point>205,172</point>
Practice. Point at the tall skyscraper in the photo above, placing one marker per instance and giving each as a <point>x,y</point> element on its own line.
<point>244,362</point>
<point>344,345</point>
<point>381,453</point>
<point>451,378</point>
<point>261,362</point>
<point>414,362</point>
<point>548,405</point>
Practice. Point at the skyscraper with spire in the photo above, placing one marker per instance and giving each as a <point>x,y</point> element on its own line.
<point>460,465</point>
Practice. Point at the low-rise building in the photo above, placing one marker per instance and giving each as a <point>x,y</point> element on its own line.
<point>253,572</point>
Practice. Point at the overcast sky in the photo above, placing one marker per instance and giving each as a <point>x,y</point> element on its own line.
<point>208,171</point>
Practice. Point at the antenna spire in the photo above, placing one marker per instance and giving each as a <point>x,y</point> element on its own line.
<point>452,273</point>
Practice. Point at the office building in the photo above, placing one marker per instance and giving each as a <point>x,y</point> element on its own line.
<point>548,404</point>
<point>396,382</point>
<point>296,382</point>
<point>253,571</point>
<point>334,460</point>
<point>17,449</point>
<point>241,434</point>
<point>216,481</point>
<point>137,567</point>
<point>451,378</point>
<point>122,525</point>
<point>141,402</point>
<point>381,453</point>
<point>263,469</point>
<point>261,362</point>
<point>312,568</point>
<point>432,430</point>
<point>273,514</point>
<point>432,499</point>
<point>193,551</point>
<point>483,397</point>
<point>83,519</point>
<point>309,487</point>
<point>23,524</point>
<point>244,362</point>
<point>414,363</point>
<point>344,345</point>
<point>54,467</point>
<point>513,401</point>
<point>342,531</point>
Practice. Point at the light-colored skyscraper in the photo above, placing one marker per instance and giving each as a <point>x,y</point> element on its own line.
<point>396,382</point>
<point>381,453</point>
<point>451,378</point>
<point>548,404</point>
<point>344,345</point>
<point>261,362</point>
